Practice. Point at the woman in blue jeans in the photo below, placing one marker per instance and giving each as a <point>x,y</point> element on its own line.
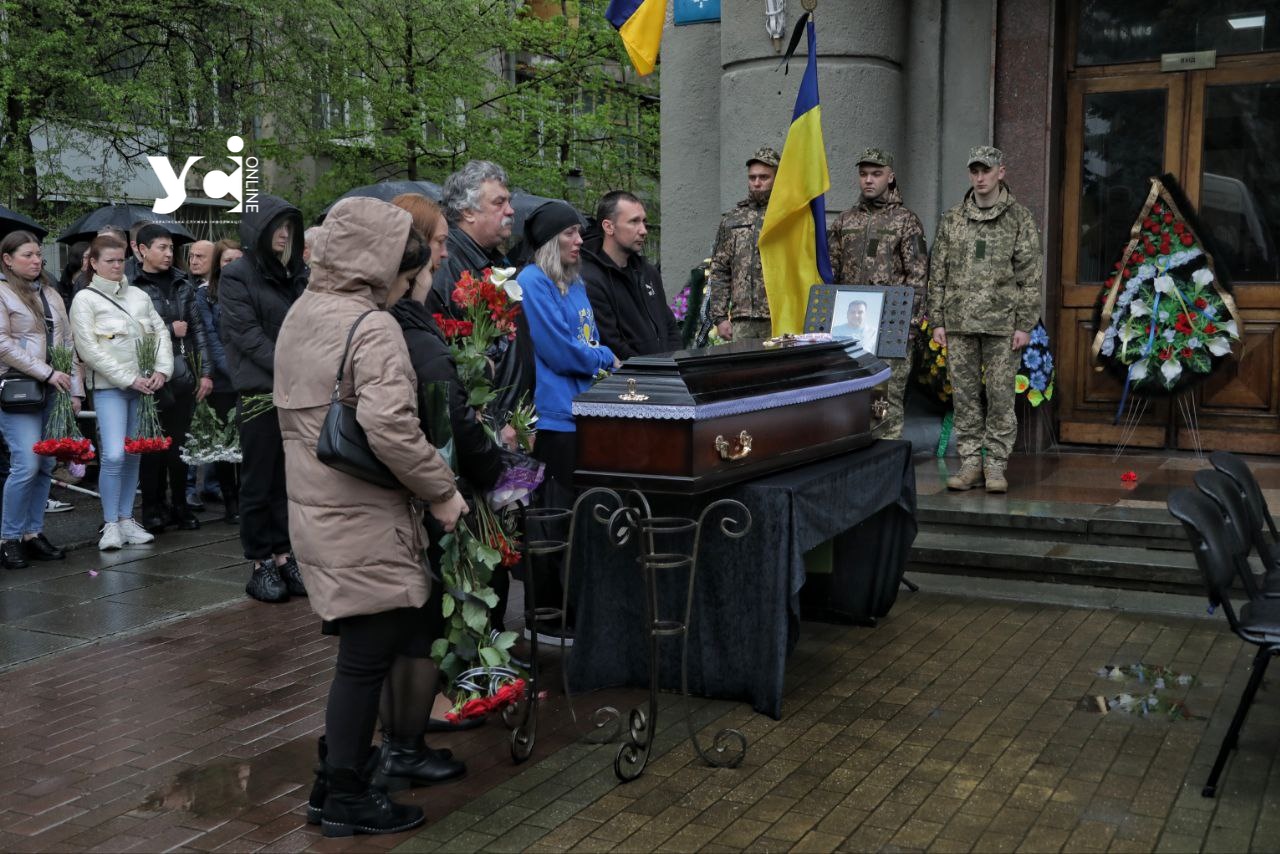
<point>32,320</point>
<point>108,318</point>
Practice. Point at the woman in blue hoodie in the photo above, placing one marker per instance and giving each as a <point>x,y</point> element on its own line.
<point>566,344</point>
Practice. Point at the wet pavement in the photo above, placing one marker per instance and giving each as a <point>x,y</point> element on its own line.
<point>149,706</point>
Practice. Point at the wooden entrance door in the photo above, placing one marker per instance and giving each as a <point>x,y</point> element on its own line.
<point>1218,132</point>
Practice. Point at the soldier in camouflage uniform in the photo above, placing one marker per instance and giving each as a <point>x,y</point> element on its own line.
<point>739,303</point>
<point>881,242</point>
<point>984,294</point>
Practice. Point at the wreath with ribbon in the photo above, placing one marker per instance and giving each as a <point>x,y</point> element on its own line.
<point>1165,317</point>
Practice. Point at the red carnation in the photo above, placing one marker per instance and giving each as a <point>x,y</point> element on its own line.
<point>1129,477</point>
<point>1166,354</point>
<point>1187,239</point>
<point>1148,224</point>
<point>1201,302</point>
<point>1168,219</point>
<point>1209,328</point>
<point>1178,228</point>
<point>1156,208</point>
<point>1187,352</point>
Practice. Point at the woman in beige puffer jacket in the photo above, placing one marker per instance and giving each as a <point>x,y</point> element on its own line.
<point>359,545</point>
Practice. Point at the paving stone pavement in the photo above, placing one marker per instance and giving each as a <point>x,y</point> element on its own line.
<point>956,724</point>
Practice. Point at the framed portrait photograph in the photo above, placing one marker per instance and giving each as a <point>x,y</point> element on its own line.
<point>879,318</point>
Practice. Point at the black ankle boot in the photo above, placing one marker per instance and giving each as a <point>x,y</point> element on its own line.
<point>402,766</point>
<point>353,806</point>
<point>231,506</point>
<point>320,788</point>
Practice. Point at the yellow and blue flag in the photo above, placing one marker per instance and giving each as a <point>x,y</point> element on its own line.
<point>639,22</point>
<point>793,238</point>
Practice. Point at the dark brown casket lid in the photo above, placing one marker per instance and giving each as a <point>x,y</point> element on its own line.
<point>674,385</point>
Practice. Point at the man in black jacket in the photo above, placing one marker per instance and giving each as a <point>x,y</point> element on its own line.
<point>174,298</point>
<point>625,289</point>
<point>255,292</point>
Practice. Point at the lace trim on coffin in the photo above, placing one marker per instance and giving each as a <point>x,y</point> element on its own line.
<point>720,408</point>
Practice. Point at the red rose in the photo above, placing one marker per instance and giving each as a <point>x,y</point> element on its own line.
<point>1148,224</point>
<point>1168,219</point>
<point>1178,228</point>
<point>1201,302</point>
<point>1187,239</point>
<point>1128,274</point>
<point>1156,208</point>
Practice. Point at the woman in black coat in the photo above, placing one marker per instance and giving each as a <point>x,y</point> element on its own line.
<point>255,293</point>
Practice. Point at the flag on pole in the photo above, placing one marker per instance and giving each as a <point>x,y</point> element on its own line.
<point>793,238</point>
<point>639,22</point>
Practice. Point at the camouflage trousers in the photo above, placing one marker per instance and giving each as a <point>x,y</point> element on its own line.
<point>895,393</point>
<point>997,428</point>
<point>752,329</point>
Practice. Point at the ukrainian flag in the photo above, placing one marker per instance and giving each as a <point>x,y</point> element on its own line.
<point>639,22</point>
<point>793,238</point>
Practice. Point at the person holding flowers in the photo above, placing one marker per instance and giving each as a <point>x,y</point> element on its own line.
<point>33,322</point>
<point>359,543</point>
<point>116,330</point>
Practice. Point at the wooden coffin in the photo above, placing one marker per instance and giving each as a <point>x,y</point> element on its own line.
<point>695,420</point>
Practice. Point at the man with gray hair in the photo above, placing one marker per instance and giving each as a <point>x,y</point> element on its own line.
<point>477,204</point>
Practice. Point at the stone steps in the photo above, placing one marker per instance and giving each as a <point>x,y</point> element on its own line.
<point>1056,542</point>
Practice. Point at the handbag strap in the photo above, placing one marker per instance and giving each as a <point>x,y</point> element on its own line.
<point>48,325</point>
<point>345,350</point>
<point>127,314</point>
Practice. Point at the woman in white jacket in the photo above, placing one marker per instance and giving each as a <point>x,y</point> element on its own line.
<point>108,318</point>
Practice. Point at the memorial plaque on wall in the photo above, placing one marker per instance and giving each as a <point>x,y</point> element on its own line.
<point>879,317</point>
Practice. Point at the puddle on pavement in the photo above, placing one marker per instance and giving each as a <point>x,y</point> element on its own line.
<point>225,788</point>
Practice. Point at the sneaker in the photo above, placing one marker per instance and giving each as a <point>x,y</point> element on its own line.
<point>134,534</point>
<point>266,585</point>
<point>193,500</point>
<point>53,505</point>
<point>112,538</point>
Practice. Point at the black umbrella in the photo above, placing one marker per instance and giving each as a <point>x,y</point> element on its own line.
<point>388,190</point>
<point>125,217</point>
<point>11,221</point>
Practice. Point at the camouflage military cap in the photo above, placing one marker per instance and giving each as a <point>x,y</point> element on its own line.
<point>876,157</point>
<point>765,155</point>
<point>987,155</point>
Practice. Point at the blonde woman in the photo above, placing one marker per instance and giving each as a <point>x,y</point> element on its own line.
<point>108,318</point>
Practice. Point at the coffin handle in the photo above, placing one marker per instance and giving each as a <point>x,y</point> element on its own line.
<point>737,451</point>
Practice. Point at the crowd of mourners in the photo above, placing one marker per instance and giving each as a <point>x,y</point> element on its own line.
<point>275,317</point>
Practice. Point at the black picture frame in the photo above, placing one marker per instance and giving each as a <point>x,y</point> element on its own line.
<point>886,315</point>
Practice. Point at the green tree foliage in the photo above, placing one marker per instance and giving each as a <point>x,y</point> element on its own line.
<point>332,93</point>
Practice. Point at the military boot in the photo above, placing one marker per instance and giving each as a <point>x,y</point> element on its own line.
<point>993,473</point>
<point>969,476</point>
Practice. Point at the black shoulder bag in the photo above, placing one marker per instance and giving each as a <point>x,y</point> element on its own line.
<point>343,444</point>
<point>21,393</point>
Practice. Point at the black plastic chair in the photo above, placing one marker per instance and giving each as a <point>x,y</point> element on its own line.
<point>1226,495</point>
<point>1258,621</point>
<point>1268,548</point>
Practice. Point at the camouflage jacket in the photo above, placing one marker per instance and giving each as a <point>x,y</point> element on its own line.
<point>736,282</point>
<point>881,243</point>
<point>984,273</point>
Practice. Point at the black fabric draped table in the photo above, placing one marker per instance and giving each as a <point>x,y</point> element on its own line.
<point>746,596</point>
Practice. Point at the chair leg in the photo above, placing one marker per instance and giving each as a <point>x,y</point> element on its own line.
<point>1260,662</point>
